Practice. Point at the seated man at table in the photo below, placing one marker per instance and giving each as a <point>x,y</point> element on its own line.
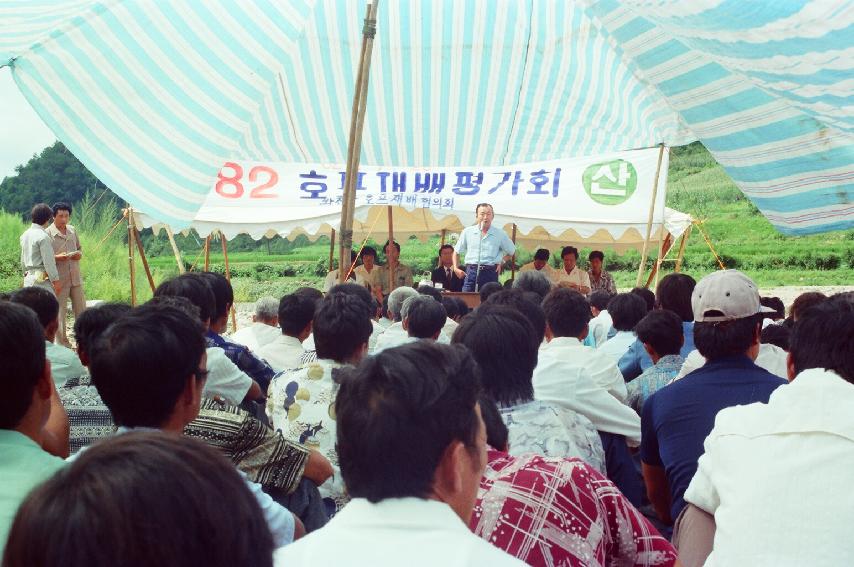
<point>484,249</point>
<point>570,275</point>
<point>444,274</point>
<point>412,449</point>
<point>541,264</point>
<point>401,274</point>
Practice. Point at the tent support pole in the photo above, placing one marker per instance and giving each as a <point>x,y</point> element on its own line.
<point>208,253</point>
<point>228,277</point>
<point>390,215</point>
<point>175,250</point>
<point>681,254</point>
<point>354,145</point>
<point>645,253</point>
<point>131,263</point>
<point>661,239</point>
<point>444,232</point>
<point>513,258</point>
<point>331,249</point>
<point>142,257</point>
<point>664,248</point>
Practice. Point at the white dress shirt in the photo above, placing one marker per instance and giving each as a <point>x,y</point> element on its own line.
<point>616,346</point>
<point>546,270</point>
<point>771,357</point>
<point>225,379</point>
<point>598,366</point>
<point>401,531</point>
<point>599,326</point>
<point>564,376</point>
<point>394,335</point>
<point>282,353</point>
<point>64,363</point>
<point>577,276</point>
<point>777,476</point>
<point>256,335</point>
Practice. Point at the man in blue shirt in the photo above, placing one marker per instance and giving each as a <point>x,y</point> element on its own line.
<point>676,419</point>
<point>484,249</point>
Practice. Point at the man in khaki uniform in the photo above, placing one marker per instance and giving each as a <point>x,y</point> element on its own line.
<point>67,252</point>
<point>37,256</point>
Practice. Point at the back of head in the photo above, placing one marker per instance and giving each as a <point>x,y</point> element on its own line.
<point>194,288</point>
<point>599,300</point>
<point>567,312</point>
<point>223,293</point>
<point>533,280</point>
<point>397,414</point>
<point>92,323</point>
<point>99,510</point>
<point>452,308</point>
<point>503,343</point>
<point>626,309</point>
<point>359,292</point>
<point>488,289</point>
<point>646,295</point>
<point>142,363</point>
<point>41,301</point>
<point>41,213</point>
<point>803,302</point>
<point>823,337</point>
<point>777,305</point>
<point>266,309</point>
<point>674,294</point>
<point>295,313</point>
<point>522,302</point>
<point>311,292</point>
<point>22,350</point>
<point>430,291</point>
<point>462,306</point>
<point>396,299</point>
<point>777,335</point>
<point>341,326</point>
<point>424,316</point>
<point>662,330</point>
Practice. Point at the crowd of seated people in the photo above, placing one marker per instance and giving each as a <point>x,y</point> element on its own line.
<point>557,423</point>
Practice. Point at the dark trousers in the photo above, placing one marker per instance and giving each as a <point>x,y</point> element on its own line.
<point>487,274</point>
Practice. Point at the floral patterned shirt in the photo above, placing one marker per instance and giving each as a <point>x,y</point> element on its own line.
<point>562,512</point>
<point>653,379</point>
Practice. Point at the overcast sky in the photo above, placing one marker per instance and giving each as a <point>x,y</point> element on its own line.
<point>22,132</point>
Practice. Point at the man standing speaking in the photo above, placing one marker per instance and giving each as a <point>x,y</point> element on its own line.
<point>67,252</point>
<point>484,248</point>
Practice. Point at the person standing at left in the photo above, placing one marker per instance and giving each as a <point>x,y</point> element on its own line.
<point>67,253</point>
<point>37,256</point>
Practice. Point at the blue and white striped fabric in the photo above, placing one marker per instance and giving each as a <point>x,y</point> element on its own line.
<point>154,96</point>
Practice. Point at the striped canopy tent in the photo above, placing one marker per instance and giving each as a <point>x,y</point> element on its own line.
<point>153,97</point>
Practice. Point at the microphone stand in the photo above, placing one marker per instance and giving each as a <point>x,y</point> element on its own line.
<point>479,246</point>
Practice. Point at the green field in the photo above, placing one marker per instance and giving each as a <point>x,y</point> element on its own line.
<point>696,185</point>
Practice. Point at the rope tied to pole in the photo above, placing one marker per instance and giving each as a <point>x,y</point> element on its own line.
<point>369,30</point>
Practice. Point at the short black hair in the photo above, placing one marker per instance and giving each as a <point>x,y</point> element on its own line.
<point>22,350</point>
<point>526,303</point>
<point>777,335</point>
<point>542,254</point>
<point>424,316</point>
<point>567,312</point>
<point>445,247</point>
<point>503,343</point>
<point>61,206</point>
<point>599,299</point>
<point>463,306</point>
<point>112,492</point>
<point>674,293</point>
<point>725,338</point>
<point>311,292</point>
<point>368,251</point>
<point>626,310</point>
<point>662,330</point>
<point>497,434</point>
<point>295,313</point>
<point>359,292</point>
<point>394,242</point>
<point>192,287</point>
<point>647,295</point>
<point>596,254</point>
<point>223,293</point>
<point>804,301</point>
<point>488,289</point>
<point>823,336</point>
<point>92,323</point>
<point>141,364</point>
<point>341,325</point>
<point>451,306</point>
<point>569,250</point>
<point>534,281</point>
<point>776,304</point>
<point>40,300</point>
<point>41,213</point>
<point>398,412</point>
<point>431,291</point>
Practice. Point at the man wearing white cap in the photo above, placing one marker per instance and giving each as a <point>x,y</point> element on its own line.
<point>677,418</point>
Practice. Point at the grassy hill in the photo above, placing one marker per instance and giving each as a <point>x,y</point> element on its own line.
<point>696,185</point>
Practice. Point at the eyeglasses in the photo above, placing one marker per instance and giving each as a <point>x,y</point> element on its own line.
<point>201,374</point>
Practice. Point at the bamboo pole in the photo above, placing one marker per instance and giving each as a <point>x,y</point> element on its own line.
<point>390,215</point>
<point>513,258</point>
<point>142,257</point>
<point>131,263</point>
<point>175,250</point>
<point>444,232</point>
<point>331,249</point>
<point>354,145</point>
<point>208,253</point>
<point>667,244</point>
<point>681,254</point>
<point>228,277</point>
<point>661,238</point>
<point>644,254</point>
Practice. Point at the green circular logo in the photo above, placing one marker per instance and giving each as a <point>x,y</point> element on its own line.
<point>610,183</point>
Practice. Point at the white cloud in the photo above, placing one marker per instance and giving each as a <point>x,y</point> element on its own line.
<point>22,132</point>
